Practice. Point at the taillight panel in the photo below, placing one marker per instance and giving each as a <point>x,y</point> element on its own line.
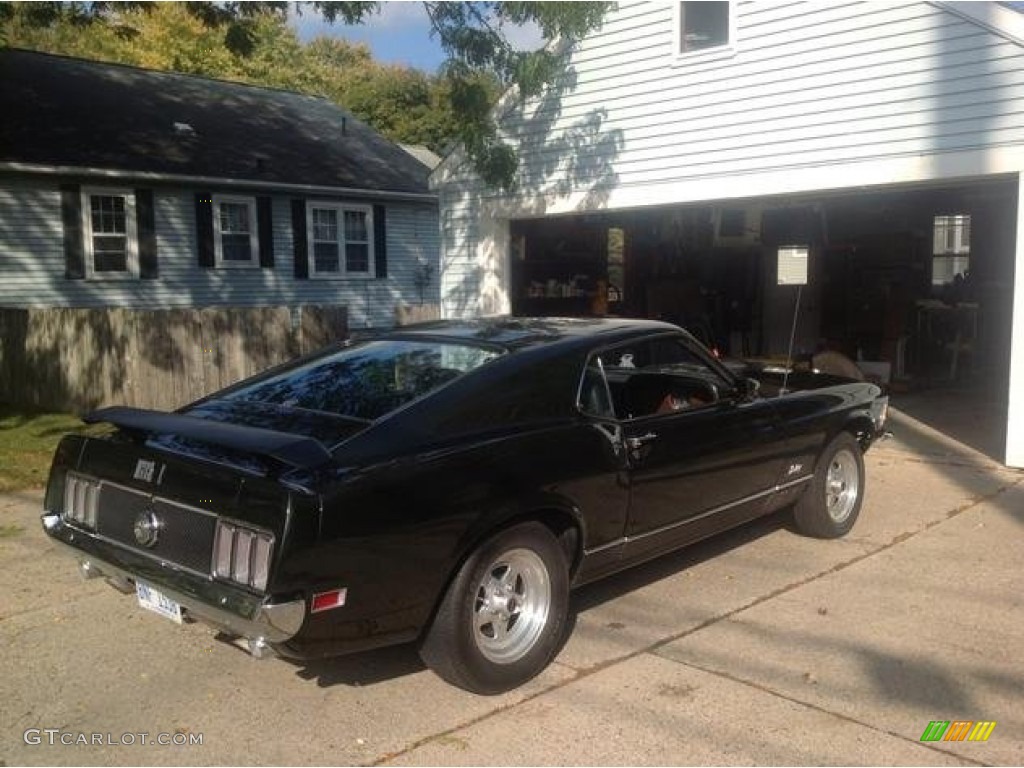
<point>242,554</point>
<point>81,500</point>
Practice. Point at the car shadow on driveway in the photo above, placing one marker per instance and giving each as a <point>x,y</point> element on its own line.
<point>383,664</point>
<point>362,669</point>
<point>676,562</point>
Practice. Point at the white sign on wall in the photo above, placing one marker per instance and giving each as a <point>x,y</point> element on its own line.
<point>793,264</point>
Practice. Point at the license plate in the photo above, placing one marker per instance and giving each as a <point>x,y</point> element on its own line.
<point>156,601</point>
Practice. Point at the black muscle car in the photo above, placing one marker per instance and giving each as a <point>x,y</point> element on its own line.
<point>449,483</point>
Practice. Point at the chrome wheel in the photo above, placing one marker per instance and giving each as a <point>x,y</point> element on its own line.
<point>511,606</point>
<point>842,485</point>
<point>503,615</point>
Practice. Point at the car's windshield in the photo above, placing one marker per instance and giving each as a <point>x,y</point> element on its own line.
<point>371,379</point>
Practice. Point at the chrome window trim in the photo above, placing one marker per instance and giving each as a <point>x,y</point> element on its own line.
<point>684,338</point>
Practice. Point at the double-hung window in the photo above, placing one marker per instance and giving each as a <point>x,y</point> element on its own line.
<point>235,237</point>
<point>340,240</point>
<point>951,248</point>
<point>110,235</point>
<point>708,26</point>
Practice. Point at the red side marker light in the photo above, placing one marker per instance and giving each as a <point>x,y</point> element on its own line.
<point>325,601</point>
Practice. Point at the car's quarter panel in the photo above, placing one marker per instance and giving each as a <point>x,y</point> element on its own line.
<point>394,533</point>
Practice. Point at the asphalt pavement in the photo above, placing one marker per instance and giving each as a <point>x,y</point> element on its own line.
<point>757,647</point>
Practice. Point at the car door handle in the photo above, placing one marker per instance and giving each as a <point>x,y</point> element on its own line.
<point>637,442</point>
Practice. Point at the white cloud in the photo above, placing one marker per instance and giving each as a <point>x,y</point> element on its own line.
<point>393,16</point>
<point>399,15</point>
<point>527,37</point>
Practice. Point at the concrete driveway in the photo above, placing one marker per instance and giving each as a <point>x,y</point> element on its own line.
<point>756,647</point>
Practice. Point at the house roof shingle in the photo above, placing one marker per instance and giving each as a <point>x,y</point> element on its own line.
<point>71,112</point>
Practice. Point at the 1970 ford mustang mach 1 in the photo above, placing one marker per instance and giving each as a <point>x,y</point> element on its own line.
<point>449,483</point>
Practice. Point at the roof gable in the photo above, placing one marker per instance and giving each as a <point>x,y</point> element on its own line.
<point>71,112</point>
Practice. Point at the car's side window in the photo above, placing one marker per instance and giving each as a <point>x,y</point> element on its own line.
<point>594,397</point>
<point>659,376</point>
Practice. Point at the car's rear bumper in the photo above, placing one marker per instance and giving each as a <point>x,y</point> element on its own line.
<point>259,620</point>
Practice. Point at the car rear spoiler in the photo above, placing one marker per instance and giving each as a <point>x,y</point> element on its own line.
<point>298,451</point>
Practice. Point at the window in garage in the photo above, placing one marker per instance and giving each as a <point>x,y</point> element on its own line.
<point>951,248</point>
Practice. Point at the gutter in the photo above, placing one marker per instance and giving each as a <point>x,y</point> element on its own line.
<point>114,174</point>
<point>991,16</point>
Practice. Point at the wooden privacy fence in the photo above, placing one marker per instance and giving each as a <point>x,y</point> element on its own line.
<point>77,359</point>
<point>416,313</point>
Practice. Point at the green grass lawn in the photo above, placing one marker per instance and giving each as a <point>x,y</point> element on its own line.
<point>27,442</point>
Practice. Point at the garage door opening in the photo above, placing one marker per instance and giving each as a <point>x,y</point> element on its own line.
<point>914,284</point>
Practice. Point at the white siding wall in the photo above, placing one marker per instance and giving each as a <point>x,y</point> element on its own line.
<point>816,96</point>
<point>32,261</point>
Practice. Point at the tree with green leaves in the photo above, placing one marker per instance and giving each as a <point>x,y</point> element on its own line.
<point>251,41</point>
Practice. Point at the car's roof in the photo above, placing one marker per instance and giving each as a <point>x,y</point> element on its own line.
<point>520,333</point>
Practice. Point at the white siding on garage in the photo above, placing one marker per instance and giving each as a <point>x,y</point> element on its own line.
<point>32,262</point>
<point>816,96</point>
<point>810,83</point>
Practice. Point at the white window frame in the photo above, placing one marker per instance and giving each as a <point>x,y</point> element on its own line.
<point>955,256</point>
<point>680,57</point>
<point>952,226</point>
<point>254,238</point>
<point>341,208</point>
<point>131,234</point>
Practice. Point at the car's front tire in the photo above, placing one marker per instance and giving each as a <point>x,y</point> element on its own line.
<point>502,618</point>
<point>830,505</point>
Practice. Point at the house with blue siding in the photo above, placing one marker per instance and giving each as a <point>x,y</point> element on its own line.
<point>692,156</point>
<point>124,187</point>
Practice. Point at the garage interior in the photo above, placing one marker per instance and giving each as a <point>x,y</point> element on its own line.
<point>913,283</point>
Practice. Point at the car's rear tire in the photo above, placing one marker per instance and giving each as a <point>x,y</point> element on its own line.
<point>831,503</point>
<point>502,618</point>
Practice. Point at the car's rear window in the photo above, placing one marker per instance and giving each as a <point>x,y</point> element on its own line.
<point>370,379</point>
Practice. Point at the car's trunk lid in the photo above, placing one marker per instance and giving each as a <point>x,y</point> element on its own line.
<point>225,459</point>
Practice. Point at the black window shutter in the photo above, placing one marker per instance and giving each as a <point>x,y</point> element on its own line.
<point>74,246</point>
<point>265,228</point>
<point>204,229</point>
<point>380,240</point>
<point>301,246</point>
<point>146,220</point>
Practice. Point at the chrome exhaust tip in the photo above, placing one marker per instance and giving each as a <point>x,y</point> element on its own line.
<point>259,648</point>
<point>87,570</point>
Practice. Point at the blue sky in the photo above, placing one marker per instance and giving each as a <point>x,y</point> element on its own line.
<point>399,34</point>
